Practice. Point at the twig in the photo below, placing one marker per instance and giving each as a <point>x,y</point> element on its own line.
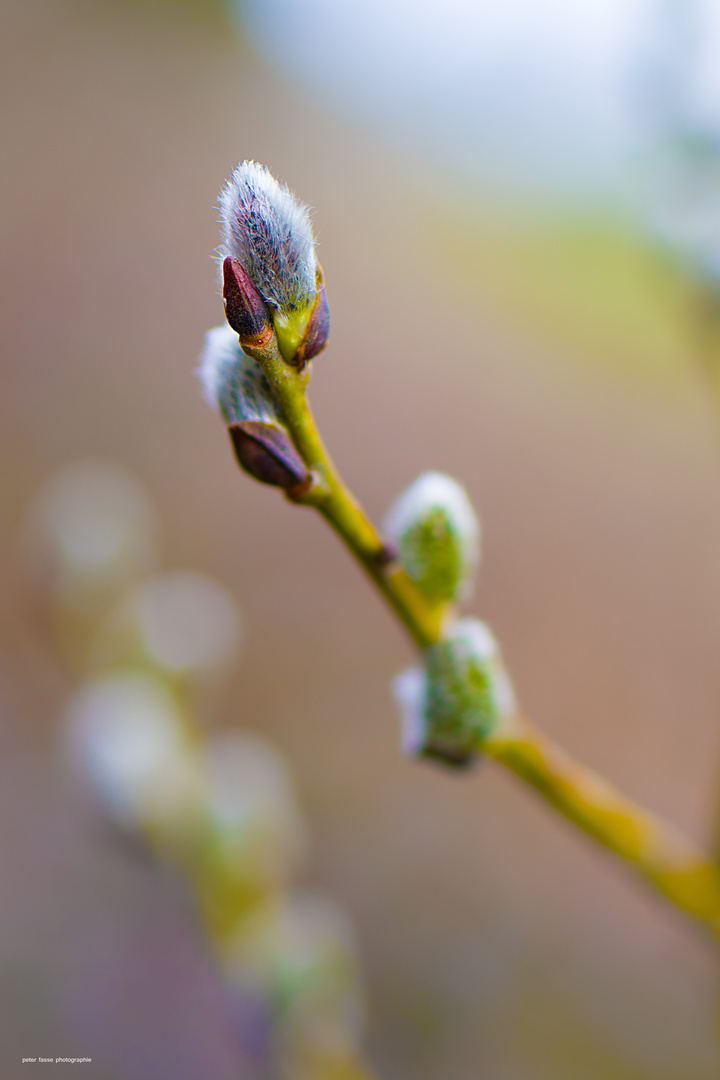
<point>657,852</point>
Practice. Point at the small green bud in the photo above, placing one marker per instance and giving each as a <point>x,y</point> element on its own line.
<point>437,535</point>
<point>460,697</point>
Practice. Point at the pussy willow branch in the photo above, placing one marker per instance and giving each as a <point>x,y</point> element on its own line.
<point>658,853</point>
<point>338,506</point>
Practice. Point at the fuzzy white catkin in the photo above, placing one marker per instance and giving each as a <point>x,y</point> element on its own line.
<point>437,534</point>
<point>125,737</point>
<point>91,525</point>
<point>233,383</point>
<point>270,233</point>
<point>181,625</point>
<point>187,621</point>
<point>468,693</point>
<point>461,694</point>
<point>300,947</point>
<point>251,803</point>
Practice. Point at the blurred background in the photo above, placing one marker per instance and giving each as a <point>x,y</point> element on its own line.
<point>519,221</point>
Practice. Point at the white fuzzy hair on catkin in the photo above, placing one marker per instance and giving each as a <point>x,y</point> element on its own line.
<point>434,490</point>
<point>232,382</point>
<point>270,233</point>
<point>410,691</point>
<point>219,356</point>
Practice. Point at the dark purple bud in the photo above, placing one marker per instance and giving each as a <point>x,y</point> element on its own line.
<point>245,309</point>
<point>387,554</point>
<point>449,755</point>
<point>318,328</point>
<point>268,453</point>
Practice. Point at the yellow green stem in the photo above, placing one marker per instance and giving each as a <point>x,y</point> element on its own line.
<point>661,855</point>
<point>338,506</point>
<point>658,852</point>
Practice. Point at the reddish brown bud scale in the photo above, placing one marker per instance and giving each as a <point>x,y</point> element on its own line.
<point>245,310</point>
<point>387,555</point>
<point>318,328</point>
<point>449,755</point>
<point>299,492</point>
<point>268,453</point>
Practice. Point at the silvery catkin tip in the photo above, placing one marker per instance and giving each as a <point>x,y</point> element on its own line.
<point>269,258</point>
